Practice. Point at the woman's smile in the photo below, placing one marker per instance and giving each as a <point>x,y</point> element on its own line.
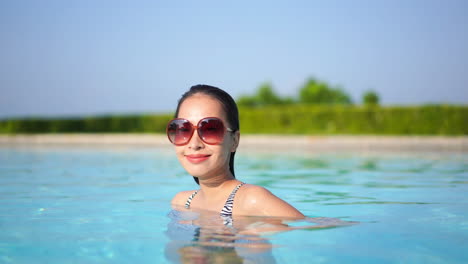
<point>197,158</point>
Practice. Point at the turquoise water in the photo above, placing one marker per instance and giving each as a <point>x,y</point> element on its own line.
<point>111,205</point>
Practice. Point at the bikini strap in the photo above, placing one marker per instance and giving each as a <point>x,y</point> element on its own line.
<point>227,209</point>
<point>189,200</point>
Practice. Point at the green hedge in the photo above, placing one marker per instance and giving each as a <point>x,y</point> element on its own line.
<point>293,119</point>
<point>105,124</point>
<point>416,120</point>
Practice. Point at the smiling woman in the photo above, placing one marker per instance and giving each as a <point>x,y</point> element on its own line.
<point>206,151</point>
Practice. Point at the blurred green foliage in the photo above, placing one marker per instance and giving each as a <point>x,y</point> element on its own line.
<point>319,92</point>
<point>342,119</point>
<point>312,92</point>
<point>318,109</point>
<point>265,96</point>
<point>103,124</point>
<point>279,119</point>
<point>370,98</point>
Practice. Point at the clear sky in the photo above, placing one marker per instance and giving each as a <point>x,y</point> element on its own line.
<point>73,58</point>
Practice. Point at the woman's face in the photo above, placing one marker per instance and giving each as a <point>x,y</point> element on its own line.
<point>198,158</point>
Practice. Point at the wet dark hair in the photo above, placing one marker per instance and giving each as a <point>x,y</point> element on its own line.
<point>228,104</point>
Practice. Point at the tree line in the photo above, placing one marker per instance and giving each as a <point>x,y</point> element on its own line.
<point>318,108</point>
<point>278,119</point>
<point>313,92</point>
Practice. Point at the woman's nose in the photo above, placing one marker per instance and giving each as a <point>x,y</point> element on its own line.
<point>196,142</point>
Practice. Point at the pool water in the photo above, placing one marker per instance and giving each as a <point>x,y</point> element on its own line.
<point>112,205</point>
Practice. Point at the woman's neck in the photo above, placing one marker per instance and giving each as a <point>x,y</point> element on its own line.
<point>212,185</point>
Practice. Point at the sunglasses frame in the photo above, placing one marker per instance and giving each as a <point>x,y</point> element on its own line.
<point>226,129</point>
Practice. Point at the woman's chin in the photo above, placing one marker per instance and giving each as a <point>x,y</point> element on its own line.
<point>196,173</point>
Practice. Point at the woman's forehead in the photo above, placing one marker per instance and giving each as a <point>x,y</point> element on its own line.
<point>199,106</point>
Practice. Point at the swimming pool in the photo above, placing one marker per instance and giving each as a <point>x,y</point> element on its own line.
<point>111,205</point>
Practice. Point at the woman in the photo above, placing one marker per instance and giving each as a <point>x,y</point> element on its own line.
<point>206,135</point>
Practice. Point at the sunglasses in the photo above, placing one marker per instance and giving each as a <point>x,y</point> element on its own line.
<point>211,130</point>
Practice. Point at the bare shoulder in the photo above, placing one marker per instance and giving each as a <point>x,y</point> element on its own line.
<point>257,200</point>
<point>180,198</point>
<point>254,195</point>
<point>254,192</point>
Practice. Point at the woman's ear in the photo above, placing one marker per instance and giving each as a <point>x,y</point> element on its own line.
<point>236,138</point>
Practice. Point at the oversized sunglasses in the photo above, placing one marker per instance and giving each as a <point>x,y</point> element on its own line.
<point>211,130</point>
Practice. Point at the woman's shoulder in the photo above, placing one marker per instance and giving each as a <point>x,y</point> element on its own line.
<point>181,197</point>
<point>252,189</point>
<point>251,193</point>
<point>258,200</point>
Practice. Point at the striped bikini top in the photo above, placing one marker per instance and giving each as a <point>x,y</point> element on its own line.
<point>227,209</point>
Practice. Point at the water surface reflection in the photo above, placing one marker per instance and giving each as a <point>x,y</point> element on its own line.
<point>205,237</point>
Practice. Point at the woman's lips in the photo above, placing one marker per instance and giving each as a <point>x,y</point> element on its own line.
<point>197,158</point>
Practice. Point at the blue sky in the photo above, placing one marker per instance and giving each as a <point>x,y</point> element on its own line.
<point>75,58</point>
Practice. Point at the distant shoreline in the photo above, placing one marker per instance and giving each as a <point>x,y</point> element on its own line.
<point>254,142</point>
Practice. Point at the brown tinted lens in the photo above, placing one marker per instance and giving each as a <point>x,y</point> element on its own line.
<point>211,130</point>
<point>179,131</point>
